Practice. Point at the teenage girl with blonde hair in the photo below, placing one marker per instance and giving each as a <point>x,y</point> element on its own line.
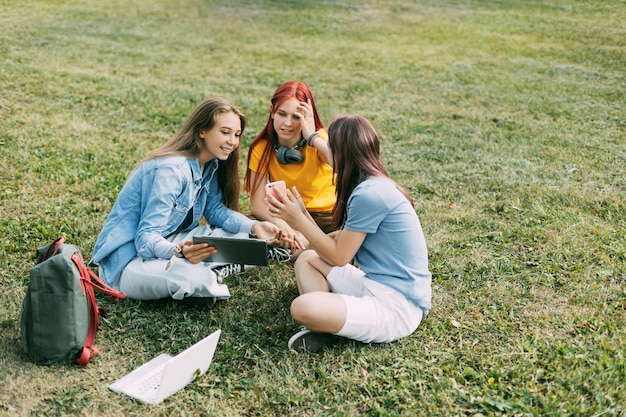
<point>145,248</point>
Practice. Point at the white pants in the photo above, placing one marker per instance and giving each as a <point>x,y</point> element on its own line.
<point>375,312</point>
<point>153,279</point>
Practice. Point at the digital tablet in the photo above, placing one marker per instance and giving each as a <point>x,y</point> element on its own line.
<point>236,251</point>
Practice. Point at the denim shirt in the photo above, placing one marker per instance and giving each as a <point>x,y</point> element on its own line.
<point>153,204</point>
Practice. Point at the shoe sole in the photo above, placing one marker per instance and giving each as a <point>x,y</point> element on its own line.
<point>312,342</point>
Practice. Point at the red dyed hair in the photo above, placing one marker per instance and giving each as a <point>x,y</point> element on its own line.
<point>290,89</point>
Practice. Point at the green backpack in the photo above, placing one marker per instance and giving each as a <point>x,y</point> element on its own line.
<point>59,316</point>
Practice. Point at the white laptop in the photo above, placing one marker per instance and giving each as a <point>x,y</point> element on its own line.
<point>164,375</point>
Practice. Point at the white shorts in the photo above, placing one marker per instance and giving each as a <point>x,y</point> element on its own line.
<point>375,312</point>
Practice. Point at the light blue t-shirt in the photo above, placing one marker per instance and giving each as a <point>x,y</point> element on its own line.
<point>394,251</point>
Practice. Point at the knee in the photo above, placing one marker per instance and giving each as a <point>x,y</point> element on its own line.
<point>303,262</point>
<point>305,258</point>
<point>320,311</point>
<point>302,309</point>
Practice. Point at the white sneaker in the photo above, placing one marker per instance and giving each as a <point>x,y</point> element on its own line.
<point>276,253</point>
<point>308,341</point>
<point>223,271</point>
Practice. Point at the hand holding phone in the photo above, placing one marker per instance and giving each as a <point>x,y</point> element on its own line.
<point>270,189</point>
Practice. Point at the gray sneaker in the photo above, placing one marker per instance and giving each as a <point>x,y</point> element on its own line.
<point>308,341</point>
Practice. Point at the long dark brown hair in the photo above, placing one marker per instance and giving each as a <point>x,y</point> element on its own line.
<point>355,147</point>
<point>187,142</point>
<point>290,89</point>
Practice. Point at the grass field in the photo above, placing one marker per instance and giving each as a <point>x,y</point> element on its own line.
<point>505,120</point>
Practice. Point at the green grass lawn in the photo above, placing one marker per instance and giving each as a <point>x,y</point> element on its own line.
<point>504,119</point>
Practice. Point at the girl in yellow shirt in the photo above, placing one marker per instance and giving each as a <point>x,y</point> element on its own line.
<point>293,147</point>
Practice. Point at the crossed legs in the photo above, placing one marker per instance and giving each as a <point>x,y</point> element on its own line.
<point>316,308</point>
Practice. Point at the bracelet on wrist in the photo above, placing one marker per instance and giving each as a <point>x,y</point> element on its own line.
<point>312,136</point>
<point>178,250</point>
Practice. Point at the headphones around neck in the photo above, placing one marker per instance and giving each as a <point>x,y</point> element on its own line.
<point>287,155</point>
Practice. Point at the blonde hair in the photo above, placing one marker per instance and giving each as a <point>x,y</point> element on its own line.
<point>187,142</point>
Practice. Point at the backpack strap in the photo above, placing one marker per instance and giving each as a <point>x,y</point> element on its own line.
<point>87,278</point>
<point>102,286</point>
<point>54,246</point>
<point>89,350</point>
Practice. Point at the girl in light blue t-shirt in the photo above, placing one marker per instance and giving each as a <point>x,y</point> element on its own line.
<point>369,281</point>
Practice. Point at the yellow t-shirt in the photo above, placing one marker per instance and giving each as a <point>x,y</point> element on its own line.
<point>313,176</point>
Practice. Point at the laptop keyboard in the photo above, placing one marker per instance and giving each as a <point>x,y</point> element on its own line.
<point>147,387</point>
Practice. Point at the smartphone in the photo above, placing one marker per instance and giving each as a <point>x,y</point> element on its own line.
<point>270,189</point>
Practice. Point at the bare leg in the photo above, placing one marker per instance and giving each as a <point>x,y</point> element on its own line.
<point>316,308</point>
<point>311,272</point>
<point>320,311</point>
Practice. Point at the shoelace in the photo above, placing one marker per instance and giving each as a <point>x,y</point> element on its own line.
<point>225,270</point>
<point>278,254</point>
